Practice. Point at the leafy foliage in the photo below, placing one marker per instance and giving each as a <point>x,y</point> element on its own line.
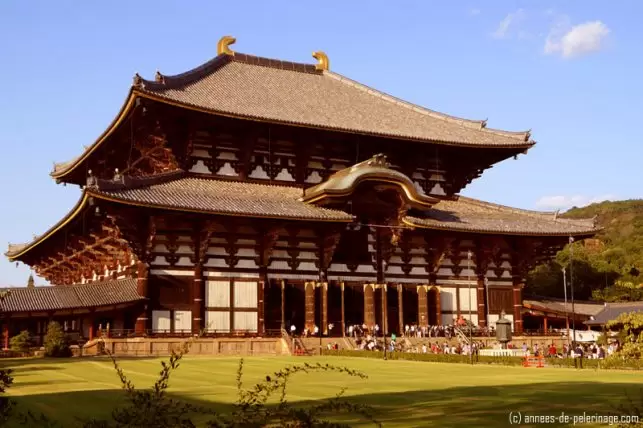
<point>21,342</point>
<point>615,255</point>
<point>631,327</point>
<point>6,405</point>
<point>56,343</point>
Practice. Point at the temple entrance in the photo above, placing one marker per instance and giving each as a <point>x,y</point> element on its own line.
<point>272,306</point>
<point>295,310</point>
<point>393,310</point>
<point>410,303</point>
<point>434,306</point>
<point>354,304</point>
<point>335,308</point>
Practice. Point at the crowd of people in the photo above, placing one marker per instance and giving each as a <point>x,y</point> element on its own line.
<point>581,350</point>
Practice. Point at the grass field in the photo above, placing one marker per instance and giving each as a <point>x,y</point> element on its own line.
<point>405,393</point>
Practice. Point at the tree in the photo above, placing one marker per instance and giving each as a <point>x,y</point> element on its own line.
<point>56,344</point>
<point>630,327</point>
<point>21,342</point>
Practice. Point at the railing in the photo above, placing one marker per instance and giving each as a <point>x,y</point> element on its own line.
<point>461,335</point>
<point>130,333</point>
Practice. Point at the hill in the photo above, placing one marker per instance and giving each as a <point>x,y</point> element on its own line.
<point>615,255</point>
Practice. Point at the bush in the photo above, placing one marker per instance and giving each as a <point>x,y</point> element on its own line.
<point>21,342</point>
<point>56,343</point>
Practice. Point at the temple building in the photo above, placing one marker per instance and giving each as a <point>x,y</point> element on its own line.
<point>251,194</point>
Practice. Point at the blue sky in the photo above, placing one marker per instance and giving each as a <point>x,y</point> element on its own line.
<point>570,71</point>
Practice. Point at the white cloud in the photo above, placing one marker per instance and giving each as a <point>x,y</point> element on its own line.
<point>565,202</point>
<point>474,12</point>
<point>511,20</point>
<point>576,41</point>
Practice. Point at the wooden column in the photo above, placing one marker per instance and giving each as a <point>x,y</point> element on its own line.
<point>91,320</point>
<point>5,333</point>
<point>261,307</point>
<point>457,301</point>
<point>545,323</point>
<point>482,312</point>
<point>309,302</point>
<point>343,315</point>
<point>323,290</point>
<point>198,310</point>
<point>283,305</point>
<point>383,288</point>
<point>369,305</point>
<point>517,299</point>
<point>423,306</point>
<point>143,319</point>
<point>400,307</point>
<point>433,280</point>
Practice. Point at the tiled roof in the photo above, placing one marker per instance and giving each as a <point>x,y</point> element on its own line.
<point>225,198</point>
<point>472,215</point>
<point>558,306</point>
<point>611,311</point>
<point>291,93</point>
<point>95,294</point>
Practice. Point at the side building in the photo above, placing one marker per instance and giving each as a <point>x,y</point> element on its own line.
<point>250,194</point>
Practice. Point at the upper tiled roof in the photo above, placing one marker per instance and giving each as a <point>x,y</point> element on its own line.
<point>472,215</point>
<point>110,292</point>
<point>225,198</point>
<point>611,311</point>
<point>292,93</point>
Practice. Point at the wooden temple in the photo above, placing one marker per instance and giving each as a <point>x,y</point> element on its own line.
<point>250,194</point>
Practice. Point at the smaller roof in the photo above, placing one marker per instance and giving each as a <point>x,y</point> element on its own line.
<point>611,311</point>
<point>52,298</point>
<point>345,181</point>
<point>472,215</point>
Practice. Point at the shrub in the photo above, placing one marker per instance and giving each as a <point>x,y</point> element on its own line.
<point>56,343</point>
<point>21,342</point>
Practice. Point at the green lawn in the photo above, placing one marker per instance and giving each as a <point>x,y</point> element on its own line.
<point>405,393</point>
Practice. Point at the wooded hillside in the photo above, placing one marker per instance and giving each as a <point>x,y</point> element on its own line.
<point>615,256</point>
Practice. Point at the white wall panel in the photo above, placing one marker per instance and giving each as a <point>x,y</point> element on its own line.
<point>161,321</point>
<point>246,321</point>
<point>464,299</point>
<point>245,294</point>
<point>182,321</point>
<point>447,299</point>
<point>218,321</point>
<point>217,293</point>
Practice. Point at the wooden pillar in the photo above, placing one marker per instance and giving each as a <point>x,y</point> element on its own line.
<point>545,323</point>
<point>517,299</point>
<point>5,333</point>
<point>343,315</point>
<point>383,288</point>
<point>369,305</point>
<point>143,319</point>
<point>309,302</point>
<point>261,307</point>
<point>198,309</point>
<point>400,308</point>
<point>457,301</point>
<point>423,305</point>
<point>90,330</point>
<point>323,290</point>
<point>433,280</point>
<point>482,308</point>
<point>283,305</point>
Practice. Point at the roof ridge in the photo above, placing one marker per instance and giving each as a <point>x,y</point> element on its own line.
<point>162,81</point>
<point>470,123</point>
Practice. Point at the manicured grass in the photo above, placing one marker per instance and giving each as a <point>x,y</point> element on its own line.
<point>405,393</point>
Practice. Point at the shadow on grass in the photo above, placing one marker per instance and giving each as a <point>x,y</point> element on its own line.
<point>454,407</point>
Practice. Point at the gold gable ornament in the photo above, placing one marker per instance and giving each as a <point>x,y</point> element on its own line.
<point>322,61</point>
<point>223,47</point>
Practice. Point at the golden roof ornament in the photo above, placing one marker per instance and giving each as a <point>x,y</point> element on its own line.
<point>323,64</point>
<point>223,47</point>
<point>379,160</point>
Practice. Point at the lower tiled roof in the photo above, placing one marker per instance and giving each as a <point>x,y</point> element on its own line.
<point>226,198</point>
<point>558,306</point>
<point>103,293</point>
<point>611,311</point>
<point>472,215</point>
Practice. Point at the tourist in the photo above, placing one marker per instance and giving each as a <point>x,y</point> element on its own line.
<point>424,349</point>
<point>293,330</point>
<point>552,351</point>
<point>315,330</point>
